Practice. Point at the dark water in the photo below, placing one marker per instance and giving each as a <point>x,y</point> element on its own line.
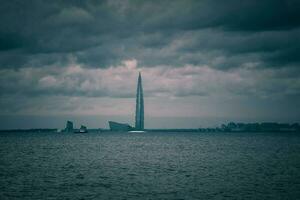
<point>150,166</point>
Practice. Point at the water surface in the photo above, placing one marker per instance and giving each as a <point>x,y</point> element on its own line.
<point>150,166</point>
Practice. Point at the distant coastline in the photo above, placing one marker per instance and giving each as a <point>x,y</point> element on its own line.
<point>230,127</point>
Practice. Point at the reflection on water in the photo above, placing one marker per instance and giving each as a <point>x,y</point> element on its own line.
<point>150,166</point>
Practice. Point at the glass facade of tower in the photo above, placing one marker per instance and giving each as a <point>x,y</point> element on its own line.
<point>139,109</point>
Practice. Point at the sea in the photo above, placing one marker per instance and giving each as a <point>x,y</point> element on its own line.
<point>150,165</point>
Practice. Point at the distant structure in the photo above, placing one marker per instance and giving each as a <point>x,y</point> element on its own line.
<point>139,112</point>
<point>115,126</point>
<point>83,129</point>
<point>69,127</point>
<point>139,107</point>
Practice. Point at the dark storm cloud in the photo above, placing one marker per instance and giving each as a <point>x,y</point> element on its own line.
<point>103,33</point>
<point>77,48</point>
<point>197,57</point>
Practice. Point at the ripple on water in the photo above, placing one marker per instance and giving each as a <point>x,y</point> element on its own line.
<point>144,166</point>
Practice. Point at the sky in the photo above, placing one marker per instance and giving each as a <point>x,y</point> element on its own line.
<point>203,62</point>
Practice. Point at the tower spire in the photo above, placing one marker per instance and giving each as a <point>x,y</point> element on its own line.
<point>139,107</point>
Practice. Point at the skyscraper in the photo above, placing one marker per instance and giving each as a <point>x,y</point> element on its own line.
<point>139,109</point>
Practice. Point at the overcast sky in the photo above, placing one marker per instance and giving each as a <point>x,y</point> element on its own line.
<point>203,63</point>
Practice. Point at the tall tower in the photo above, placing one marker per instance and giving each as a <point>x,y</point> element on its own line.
<point>139,107</point>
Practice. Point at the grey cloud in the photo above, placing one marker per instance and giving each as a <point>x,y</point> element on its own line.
<point>101,34</point>
<point>257,42</point>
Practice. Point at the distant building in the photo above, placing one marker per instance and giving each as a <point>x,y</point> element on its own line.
<point>139,109</point>
<point>69,127</point>
<point>139,112</point>
<point>115,126</point>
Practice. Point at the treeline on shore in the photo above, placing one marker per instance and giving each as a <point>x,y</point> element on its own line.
<point>260,127</point>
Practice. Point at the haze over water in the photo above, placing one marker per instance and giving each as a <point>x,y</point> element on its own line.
<point>150,166</point>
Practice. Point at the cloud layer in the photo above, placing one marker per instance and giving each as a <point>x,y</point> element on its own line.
<point>101,34</point>
<point>189,52</point>
<point>120,81</point>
